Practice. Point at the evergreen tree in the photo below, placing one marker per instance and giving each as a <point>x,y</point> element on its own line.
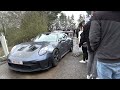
<point>81,18</point>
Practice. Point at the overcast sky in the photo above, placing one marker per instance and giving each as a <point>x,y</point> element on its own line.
<point>75,13</point>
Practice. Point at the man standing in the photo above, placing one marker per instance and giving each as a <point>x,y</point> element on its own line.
<point>91,61</point>
<point>91,65</point>
<point>104,39</point>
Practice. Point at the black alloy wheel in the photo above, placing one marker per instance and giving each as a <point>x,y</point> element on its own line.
<point>55,57</point>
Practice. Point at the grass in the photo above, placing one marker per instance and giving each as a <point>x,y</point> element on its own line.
<point>2,54</point>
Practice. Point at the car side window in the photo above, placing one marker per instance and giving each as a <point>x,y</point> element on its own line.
<point>64,36</point>
<point>60,37</point>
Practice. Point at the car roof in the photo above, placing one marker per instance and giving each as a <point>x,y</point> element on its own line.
<point>56,32</point>
<point>60,31</point>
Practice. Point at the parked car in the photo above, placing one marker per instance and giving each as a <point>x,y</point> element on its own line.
<point>43,52</point>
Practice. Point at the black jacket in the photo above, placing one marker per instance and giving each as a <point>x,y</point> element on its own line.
<point>86,30</point>
<point>85,35</point>
<point>82,39</point>
<point>104,35</point>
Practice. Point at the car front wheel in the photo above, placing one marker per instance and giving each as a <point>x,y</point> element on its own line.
<point>55,57</point>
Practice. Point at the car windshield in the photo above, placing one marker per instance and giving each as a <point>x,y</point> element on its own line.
<point>48,38</point>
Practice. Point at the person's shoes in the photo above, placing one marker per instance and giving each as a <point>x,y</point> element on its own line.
<point>86,61</point>
<point>97,78</point>
<point>89,76</point>
<point>82,61</point>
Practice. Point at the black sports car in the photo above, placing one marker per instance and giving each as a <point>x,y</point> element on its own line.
<point>41,53</point>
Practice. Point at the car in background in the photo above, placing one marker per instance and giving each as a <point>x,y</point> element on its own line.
<point>43,52</point>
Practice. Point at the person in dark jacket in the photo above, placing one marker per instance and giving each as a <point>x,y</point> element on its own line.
<point>91,65</point>
<point>80,28</point>
<point>104,37</point>
<point>83,43</point>
<point>80,25</point>
<point>74,30</point>
<point>77,32</point>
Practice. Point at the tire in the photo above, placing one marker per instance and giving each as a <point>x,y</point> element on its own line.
<point>56,58</point>
<point>71,48</point>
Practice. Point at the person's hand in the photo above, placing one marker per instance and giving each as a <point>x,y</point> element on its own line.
<point>79,45</point>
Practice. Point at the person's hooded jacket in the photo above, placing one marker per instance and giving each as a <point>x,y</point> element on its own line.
<point>85,36</point>
<point>104,35</point>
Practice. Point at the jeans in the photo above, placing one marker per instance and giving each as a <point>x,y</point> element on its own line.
<point>108,70</point>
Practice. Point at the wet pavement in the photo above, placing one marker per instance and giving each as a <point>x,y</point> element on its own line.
<point>68,68</point>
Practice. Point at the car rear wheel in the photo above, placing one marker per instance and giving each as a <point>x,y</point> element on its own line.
<point>55,57</point>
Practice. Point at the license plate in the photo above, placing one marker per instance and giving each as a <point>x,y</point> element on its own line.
<point>17,62</point>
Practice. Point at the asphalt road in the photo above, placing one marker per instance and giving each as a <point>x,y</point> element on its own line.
<point>68,68</point>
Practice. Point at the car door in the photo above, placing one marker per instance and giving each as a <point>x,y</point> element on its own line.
<point>62,44</point>
<point>65,47</point>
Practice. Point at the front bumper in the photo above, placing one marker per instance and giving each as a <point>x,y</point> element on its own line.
<point>30,66</point>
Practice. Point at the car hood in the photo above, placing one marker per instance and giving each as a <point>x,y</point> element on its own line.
<point>28,48</point>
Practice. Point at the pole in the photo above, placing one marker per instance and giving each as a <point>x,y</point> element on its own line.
<point>4,44</point>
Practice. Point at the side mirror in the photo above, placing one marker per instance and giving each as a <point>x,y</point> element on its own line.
<point>60,40</point>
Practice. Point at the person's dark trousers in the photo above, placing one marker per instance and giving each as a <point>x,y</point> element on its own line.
<point>85,53</point>
<point>77,34</point>
<point>73,33</point>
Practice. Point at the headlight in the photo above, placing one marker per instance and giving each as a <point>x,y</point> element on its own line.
<point>43,51</point>
<point>12,50</point>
